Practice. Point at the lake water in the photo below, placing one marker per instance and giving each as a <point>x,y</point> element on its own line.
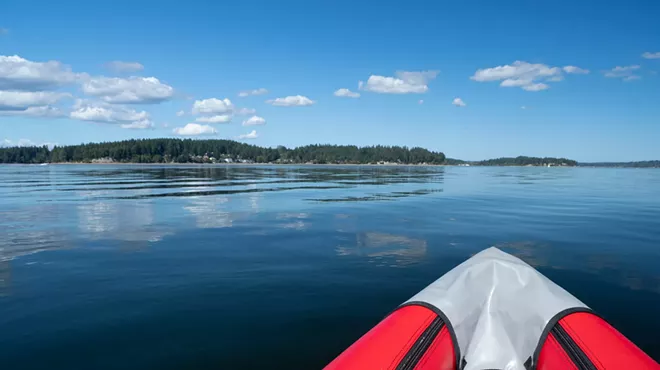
<point>229,267</point>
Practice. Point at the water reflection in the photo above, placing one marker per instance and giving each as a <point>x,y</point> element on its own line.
<point>608,268</point>
<point>209,212</point>
<point>295,221</point>
<point>386,249</point>
<point>133,223</point>
<point>134,182</point>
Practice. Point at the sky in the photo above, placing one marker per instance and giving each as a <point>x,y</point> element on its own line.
<point>473,79</point>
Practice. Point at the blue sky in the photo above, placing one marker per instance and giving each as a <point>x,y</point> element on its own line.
<point>557,91</point>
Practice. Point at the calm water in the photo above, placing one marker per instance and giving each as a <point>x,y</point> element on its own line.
<point>228,267</point>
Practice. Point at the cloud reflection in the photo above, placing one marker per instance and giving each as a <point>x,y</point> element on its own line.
<point>386,249</point>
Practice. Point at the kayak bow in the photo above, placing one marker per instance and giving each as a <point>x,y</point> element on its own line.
<point>493,311</point>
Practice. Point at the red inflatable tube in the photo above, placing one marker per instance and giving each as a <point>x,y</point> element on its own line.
<point>583,340</point>
<point>412,337</point>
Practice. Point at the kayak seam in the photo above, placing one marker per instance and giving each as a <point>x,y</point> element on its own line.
<point>583,346</point>
<point>548,328</point>
<point>448,325</point>
<point>425,325</point>
<point>432,348</point>
<point>421,346</point>
<point>577,355</point>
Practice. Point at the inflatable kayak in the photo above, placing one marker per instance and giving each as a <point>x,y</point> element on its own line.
<point>493,311</point>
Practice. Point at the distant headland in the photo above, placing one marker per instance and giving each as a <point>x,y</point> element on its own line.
<point>228,151</point>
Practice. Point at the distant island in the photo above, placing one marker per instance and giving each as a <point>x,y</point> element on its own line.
<point>229,151</point>
<point>217,151</point>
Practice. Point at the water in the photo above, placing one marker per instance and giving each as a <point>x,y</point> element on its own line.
<point>229,267</point>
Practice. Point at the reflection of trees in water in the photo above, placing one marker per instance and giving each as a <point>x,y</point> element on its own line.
<point>386,249</point>
<point>607,268</point>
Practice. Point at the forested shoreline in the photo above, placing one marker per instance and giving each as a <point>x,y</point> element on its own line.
<point>216,151</point>
<point>228,151</point>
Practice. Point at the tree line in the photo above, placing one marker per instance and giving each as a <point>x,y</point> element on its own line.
<point>527,161</point>
<point>195,151</point>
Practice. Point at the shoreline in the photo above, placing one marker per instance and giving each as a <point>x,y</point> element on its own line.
<point>174,164</point>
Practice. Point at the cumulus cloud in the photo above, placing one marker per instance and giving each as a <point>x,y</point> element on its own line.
<point>21,100</point>
<point>180,113</point>
<point>405,82</point>
<point>254,121</point>
<point>124,67</point>
<point>246,111</point>
<point>575,70</point>
<point>291,101</point>
<point>194,129</point>
<point>132,90</point>
<point>649,55</point>
<point>17,73</point>
<point>458,102</point>
<point>252,135</point>
<point>105,113</point>
<point>527,76</point>
<point>221,118</point>
<point>259,91</point>
<point>213,106</point>
<point>626,73</point>
<point>346,93</point>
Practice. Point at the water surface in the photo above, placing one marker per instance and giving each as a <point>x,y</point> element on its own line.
<point>207,267</point>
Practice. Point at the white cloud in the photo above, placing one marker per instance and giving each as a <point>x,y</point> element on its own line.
<point>180,113</point>
<point>221,118</point>
<point>528,76</point>
<point>195,129</point>
<point>246,111</point>
<point>649,55</point>
<point>132,90</point>
<point>291,101</point>
<point>627,73</point>
<point>458,102</point>
<point>575,70</point>
<point>140,125</point>
<point>106,113</point>
<point>21,100</point>
<point>25,142</point>
<point>252,135</point>
<point>536,87</point>
<point>254,121</point>
<point>260,91</point>
<point>404,83</point>
<point>42,111</point>
<point>17,73</point>
<point>122,67</point>
<point>213,106</point>
<point>346,93</point>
